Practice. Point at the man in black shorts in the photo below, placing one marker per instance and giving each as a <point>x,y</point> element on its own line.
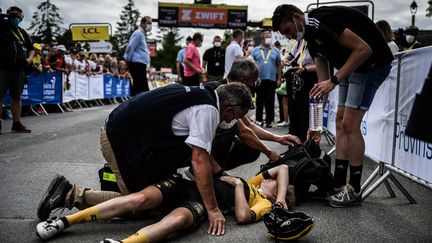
<point>16,52</point>
<point>348,40</point>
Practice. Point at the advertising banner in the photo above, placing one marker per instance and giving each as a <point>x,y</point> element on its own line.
<point>94,32</point>
<point>109,86</point>
<point>82,87</point>
<point>96,87</point>
<point>202,15</point>
<point>69,92</point>
<point>52,88</point>
<point>412,155</point>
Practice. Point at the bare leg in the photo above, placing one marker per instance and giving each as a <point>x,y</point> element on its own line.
<point>285,108</point>
<point>342,149</point>
<point>16,108</point>
<point>178,219</point>
<point>351,126</point>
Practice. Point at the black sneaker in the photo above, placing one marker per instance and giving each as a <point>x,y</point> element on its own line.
<point>54,196</point>
<point>17,127</point>
<point>346,197</point>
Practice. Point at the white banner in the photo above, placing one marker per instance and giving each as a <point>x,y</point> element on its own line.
<point>96,87</point>
<point>412,155</point>
<point>69,94</point>
<point>82,87</point>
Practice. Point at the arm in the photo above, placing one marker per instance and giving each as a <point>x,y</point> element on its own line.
<point>279,75</point>
<point>242,210</point>
<point>204,180</point>
<point>178,71</point>
<point>360,52</point>
<point>250,139</point>
<point>280,173</point>
<point>190,66</point>
<point>30,57</point>
<point>263,134</point>
<point>133,43</point>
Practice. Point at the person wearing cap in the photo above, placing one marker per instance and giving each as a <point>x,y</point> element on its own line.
<point>16,51</point>
<point>179,60</point>
<point>37,59</point>
<point>137,56</point>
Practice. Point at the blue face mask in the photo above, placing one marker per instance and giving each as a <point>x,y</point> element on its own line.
<point>45,53</point>
<point>14,22</point>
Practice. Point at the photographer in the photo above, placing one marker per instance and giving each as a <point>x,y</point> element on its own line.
<point>16,51</point>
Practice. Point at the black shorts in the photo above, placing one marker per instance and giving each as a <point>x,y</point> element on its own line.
<point>12,81</point>
<point>178,192</point>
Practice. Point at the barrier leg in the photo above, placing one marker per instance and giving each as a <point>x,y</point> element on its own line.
<point>79,104</point>
<point>402,189</point>
<point>43,108</point>
<point>60,107</point>
<point>69,105</point>
<point>389,189</point>
<point>33,111</point>
<point>375,185</point>
<point>370,179</point>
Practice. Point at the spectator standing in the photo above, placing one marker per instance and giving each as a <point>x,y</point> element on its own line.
<point>16,51</point>
<point>411,34</point>
<point>348,40</point>
<point>214,60</point>
<point>384,27</point>
<point>233,50</point>
<point>269,60</point>
<point>37,59</point>
<point>180,59</point>
<point>248,47</point>
<point>192,62</point>
<point>137,56</point>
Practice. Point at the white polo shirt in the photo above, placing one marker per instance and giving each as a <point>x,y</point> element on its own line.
<point>199,123</point>
<point>233,52</point>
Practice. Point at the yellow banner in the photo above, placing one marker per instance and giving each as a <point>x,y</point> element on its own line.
<point>90,32</point>
<point>267,22</point>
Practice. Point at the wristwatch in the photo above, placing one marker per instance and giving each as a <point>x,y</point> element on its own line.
<point>334,80</point>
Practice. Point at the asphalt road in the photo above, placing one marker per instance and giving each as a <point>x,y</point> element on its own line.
<point>68,144</point>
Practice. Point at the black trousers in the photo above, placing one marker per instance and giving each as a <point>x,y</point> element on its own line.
<point>281,111</point>
<point>139,76</point>
<point>192,80</point>
<point>229,151</point>
<point>265,97</point>
<point>299,107</point>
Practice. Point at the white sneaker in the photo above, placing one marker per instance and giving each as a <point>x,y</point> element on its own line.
<point>110,241</point>
<point>282,124</point>
<point>48,229</point>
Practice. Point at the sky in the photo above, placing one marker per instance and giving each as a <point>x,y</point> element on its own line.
<point>396,12</point>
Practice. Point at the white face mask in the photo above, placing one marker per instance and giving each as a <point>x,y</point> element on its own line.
<point>267,41</point>
<point>148,28</point>
<point>250,48</point>
<point>299,33</point>
<point>409,39</point>
<point>199,44</point>
<point>227,125</point>
<point>217,44</point>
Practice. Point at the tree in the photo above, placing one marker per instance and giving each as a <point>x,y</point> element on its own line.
<point>429,9</point>
<point>166,57</point>
<point>227,38</point>
<point>45,25</point>
<point>126,26</point>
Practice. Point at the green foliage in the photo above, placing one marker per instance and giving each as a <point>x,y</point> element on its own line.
<point>227,38</point>
<point>129,17</point>
<point>429,9</point>
<point>166,57</point>
<point>45,24</point>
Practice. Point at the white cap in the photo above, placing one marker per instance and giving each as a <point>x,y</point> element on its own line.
<point>61,48</point>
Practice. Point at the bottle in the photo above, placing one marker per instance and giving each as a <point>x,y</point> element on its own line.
<point>315,114</point>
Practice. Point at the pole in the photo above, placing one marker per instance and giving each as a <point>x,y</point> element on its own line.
<point>413,20</point>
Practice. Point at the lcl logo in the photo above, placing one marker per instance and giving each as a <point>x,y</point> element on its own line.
<point>90,30</point>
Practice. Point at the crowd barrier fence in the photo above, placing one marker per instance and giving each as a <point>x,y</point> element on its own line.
<point>383,126</point>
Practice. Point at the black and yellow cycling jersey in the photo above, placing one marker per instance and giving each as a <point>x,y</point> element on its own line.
<point>258,202</point>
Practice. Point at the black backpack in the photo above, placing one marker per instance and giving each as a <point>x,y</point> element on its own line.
<point>308,165</point>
